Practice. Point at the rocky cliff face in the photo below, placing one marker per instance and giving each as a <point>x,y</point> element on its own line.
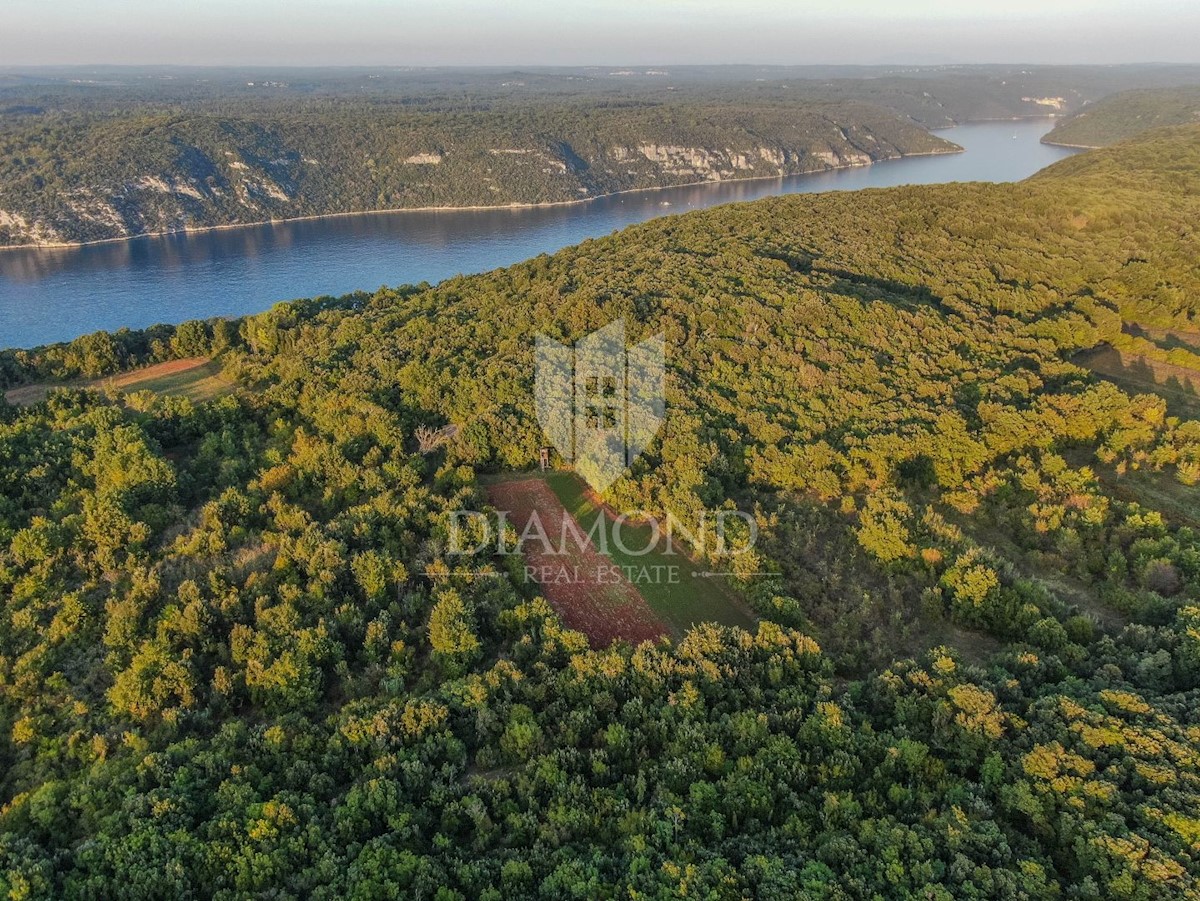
<point>709,164</point>
<point>175,174</point>
<point>197,189</point>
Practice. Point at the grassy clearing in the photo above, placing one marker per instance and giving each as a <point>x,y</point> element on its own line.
<point>976,648</point>
<point>27,394</point>
<point>1166,338</point>
<point>196,378</point>
<point>1178,385</point>
<point>1156,491</point>
<point>201,381</point>
<point>683,597</point>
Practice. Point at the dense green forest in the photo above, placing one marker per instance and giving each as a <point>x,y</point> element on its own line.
<point>236,659</point>
<point>1127,114</point>
<point>90,155</point>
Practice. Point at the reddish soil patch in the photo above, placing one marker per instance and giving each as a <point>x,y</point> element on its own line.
<point>588,590</point>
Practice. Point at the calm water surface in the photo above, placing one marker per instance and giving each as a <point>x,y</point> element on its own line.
<point>59,294</point>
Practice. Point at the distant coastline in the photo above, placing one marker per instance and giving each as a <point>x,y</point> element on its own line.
<point>993,119</point>
<point>478,208</point>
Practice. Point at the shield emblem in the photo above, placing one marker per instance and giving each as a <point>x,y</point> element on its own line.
<point>599,403</point>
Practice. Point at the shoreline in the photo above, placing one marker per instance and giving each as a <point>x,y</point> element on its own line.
<point>1071,146</point>
<point>473,208</point>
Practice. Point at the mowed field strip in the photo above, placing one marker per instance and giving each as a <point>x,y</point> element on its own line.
<point>196,378</point>
<point>622,591</point>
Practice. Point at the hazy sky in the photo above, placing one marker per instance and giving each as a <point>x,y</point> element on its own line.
<point>606,32</point>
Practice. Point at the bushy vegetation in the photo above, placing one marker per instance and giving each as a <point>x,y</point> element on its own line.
<point>237,659</point>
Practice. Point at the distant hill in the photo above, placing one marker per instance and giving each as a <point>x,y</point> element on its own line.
<point>1162,159</point>
<point>1127,114</point>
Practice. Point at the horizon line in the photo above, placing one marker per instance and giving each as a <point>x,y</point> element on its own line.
<point>483,67</point>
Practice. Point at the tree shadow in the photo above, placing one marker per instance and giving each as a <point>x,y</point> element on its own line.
<point>1166,339</point>
<point>884,289</point>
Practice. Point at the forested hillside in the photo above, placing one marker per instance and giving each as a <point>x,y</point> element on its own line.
<point>88,176</point>
<point>1127,114</point>
<point>237,657</point>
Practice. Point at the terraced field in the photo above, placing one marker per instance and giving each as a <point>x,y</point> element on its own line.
<point>631,586</point>
<point>590,593</point>
<point>693,593</point>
